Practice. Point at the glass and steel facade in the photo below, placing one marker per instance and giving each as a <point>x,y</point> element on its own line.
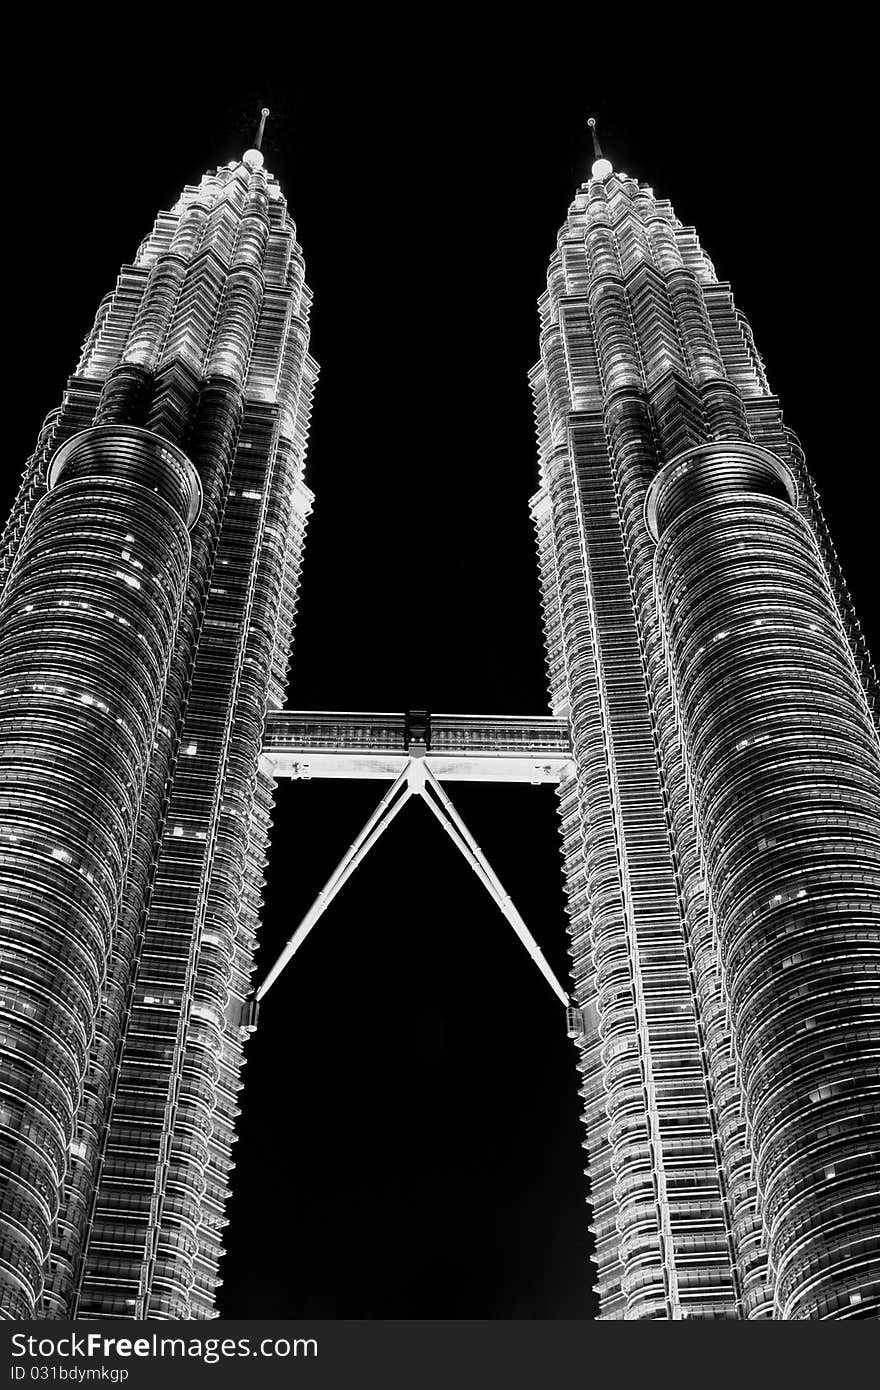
<point>720,833</point>
<point>151,567</point>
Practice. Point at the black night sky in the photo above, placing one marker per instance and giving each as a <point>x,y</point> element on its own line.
<point>410,1138</point>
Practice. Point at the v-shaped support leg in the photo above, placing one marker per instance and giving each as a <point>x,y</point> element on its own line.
<point>452,823</point>
<point>393,802</point>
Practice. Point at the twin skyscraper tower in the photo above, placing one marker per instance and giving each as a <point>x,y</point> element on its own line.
<point>712,738</point>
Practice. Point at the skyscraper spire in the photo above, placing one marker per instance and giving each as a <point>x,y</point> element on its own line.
<point>601,166</point>
<point>258,141</point>
<point>253,158</point>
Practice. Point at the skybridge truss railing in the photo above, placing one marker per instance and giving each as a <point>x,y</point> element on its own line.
<point>458,747</point>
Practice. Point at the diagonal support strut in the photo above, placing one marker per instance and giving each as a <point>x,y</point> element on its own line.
<point>393,802</point>
<point>458,832</point>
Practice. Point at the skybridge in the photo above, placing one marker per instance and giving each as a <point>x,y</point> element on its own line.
<point>417,752</point>
<point>456,747</point>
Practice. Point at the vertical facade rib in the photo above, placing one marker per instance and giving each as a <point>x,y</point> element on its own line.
<point>643,357</point>
<point>202,349</point>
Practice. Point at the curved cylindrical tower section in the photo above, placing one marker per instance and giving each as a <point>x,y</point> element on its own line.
<point>784,769</point>
<point>209,449</point>
<point>88,621</point>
